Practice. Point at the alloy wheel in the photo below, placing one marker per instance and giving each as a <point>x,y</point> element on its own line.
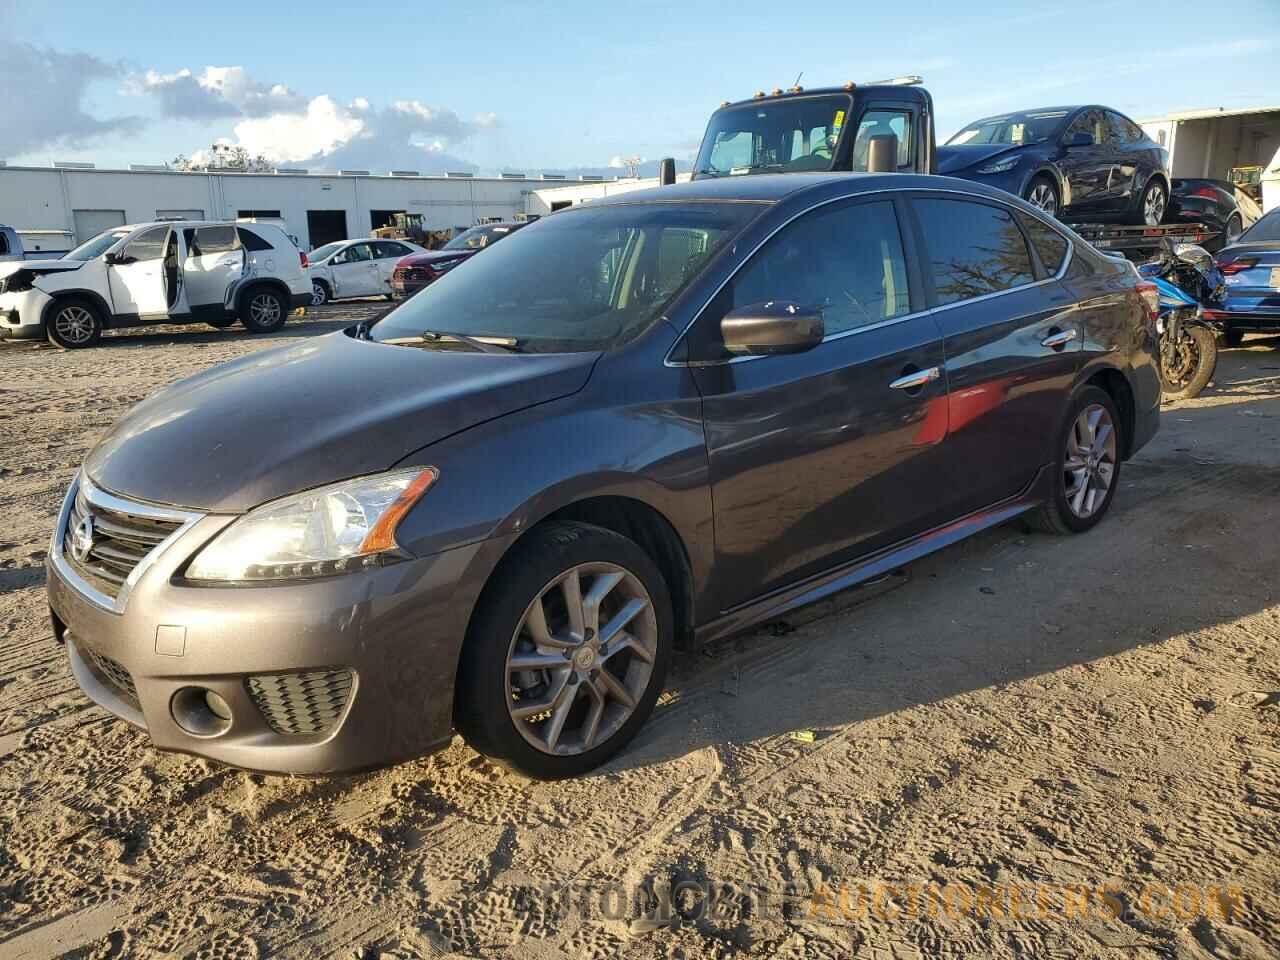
<point>1042,196</point>
<point>1153,206</point>
<point>1232,231</point>
<point>581,658</point>
<point>74,324</point>
<point>317,295</point>
<point>1090,463</point>
<point>264,309</point>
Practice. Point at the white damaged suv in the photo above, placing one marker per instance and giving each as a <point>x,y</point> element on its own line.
<point>166,272</point>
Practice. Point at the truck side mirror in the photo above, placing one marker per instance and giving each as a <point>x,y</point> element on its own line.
<point>666,171</point>
<point>882,153</point>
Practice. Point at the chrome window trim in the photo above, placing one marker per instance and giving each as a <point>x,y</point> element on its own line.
<point>97,497</point>
<point>1062,271</point>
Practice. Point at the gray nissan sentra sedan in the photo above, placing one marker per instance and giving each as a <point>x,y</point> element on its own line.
<point>631,427</point>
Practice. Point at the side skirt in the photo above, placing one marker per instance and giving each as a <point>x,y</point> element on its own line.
<point>859,571</point>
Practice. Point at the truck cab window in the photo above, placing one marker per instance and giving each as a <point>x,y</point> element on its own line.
<point>879,123</point>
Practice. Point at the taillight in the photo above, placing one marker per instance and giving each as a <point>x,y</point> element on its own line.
<point>1207,192</point>
<point>1150,294</point>
<point>302,258</point>
<point>1230,267</point>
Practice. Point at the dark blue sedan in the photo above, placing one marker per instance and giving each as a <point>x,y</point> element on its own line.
<point>1251,268</point>
<point>1076,163</point>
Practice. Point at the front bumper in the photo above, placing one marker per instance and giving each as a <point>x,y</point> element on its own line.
<point>22,315</point>
<point>394,631</point>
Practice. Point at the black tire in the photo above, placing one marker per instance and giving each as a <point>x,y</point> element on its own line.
<point>1232,338</point>
<point>1057,516</point>
<point>263,309</point>
<point>320,294</point>
<point>1042,193</point>
<point>1205,344</point>
<point>1232,229</point>
<point>222,322</point>
<point>73,323</point>
<point>1139,214</point>
<point>484,692</point>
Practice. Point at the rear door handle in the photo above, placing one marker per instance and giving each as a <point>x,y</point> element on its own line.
<point>916,379</point>
<point>1058,340</point>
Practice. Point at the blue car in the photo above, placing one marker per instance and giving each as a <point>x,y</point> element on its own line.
<point>1079,164</point>
<point>1251,267</point>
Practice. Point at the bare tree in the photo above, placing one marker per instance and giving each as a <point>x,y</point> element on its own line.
<point>224,156</point>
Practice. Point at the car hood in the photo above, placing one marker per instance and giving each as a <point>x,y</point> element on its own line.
<point>434,256</point>
<point>965,155</point>
<point>280,421</point>
<point>39,267</point>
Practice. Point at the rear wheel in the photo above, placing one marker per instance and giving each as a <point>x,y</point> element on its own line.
<point>1088,466</point>
<point>1187,364</point>
<point>1151,208</point>
<point>262,310</point>
<point>1231,232</point>
<point>73,323</point>
<point>319,294</point>
<point>1042,192</point>
<point>567,652</point>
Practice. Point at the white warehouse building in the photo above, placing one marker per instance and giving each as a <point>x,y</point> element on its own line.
<point>68,203</point>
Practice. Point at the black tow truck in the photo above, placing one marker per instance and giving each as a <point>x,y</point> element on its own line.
<point>886,126</point>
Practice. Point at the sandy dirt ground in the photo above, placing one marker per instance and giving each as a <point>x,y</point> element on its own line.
<point>1023,746</point>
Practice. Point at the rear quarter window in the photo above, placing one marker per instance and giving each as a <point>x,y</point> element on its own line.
<point>252,241</point>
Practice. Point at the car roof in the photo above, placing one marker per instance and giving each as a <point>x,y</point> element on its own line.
<point>772,187</point>
<point>185,223</point>
<point>900,91</point>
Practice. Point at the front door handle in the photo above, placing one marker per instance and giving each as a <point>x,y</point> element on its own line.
<point>1058,339</point>
<point>916,379</point>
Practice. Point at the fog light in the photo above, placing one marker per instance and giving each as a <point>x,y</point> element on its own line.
<point>200,712</point>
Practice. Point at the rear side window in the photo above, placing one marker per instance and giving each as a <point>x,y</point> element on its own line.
<point>1051,246</point>
<point>848,260</point>
<point>217,239</point>
<point>386,248</point>
<point>251,241</point>
<point>974,249</point>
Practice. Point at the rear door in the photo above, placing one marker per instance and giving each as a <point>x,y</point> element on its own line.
<point>822,456</point>
<point>1012,339</point>
<point>355,272</point>
<point>139,283</point>
<point>386,254</point>
<point>214,261</point>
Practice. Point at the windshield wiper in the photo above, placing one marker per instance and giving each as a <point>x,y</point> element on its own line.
<point>483,344</point>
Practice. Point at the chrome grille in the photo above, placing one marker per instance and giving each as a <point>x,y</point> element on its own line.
<point>120,542</point>
<point>301,703</point>
<point>111,672</point>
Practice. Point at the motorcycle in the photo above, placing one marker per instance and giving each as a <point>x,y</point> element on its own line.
<point>1187,280</point>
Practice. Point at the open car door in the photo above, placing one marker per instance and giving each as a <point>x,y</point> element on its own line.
<point>214,261</point>
<point>145,276</point>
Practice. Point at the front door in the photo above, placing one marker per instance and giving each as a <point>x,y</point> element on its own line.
<point>1013,343</point>
<point>355,272</point>
<point>214,261</point>
<point>1087,167</point>
<point>822,456</point>
<point>145,280</point>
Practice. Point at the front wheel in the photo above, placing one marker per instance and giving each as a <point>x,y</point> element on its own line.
<point>1088,465</point>
<point>73,323</point>
<point>262,310</point>
<point>1187,363</point>
<point>1042,192</point>
<point>567,652</point>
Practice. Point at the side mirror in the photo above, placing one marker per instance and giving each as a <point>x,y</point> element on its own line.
<point>118,259</point>
<point>882,153</point>
<point>779,326</point>
<point>666,171</point>
<point>1080,140</point>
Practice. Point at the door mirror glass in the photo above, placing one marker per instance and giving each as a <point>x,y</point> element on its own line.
<point>1080,139</point>
<point>777,326</point>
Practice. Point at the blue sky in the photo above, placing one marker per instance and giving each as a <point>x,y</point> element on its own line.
<point>571,85</point>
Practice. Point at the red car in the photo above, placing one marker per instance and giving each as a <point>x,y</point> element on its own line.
<point>415,271</point>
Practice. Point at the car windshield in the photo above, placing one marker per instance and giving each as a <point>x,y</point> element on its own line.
<point>1013,129</point>
<point>325,252</point>
<point>477,237</point>
<point>794,134</point>
<point>582,280</point>
<point>97,246</point>
<point>1265,230</point>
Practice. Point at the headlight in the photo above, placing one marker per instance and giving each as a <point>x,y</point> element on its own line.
<point>335,529</point>
<point>1000,166</point>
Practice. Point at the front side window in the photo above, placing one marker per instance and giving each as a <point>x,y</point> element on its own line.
<point>882,123</point>
<point>355,254</point>
<point>586,279</point>
<point>1090,122</point>
<point>974,248</point>
<point>775,136</point>
<point>846,260</point>
<point>148,245</point>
